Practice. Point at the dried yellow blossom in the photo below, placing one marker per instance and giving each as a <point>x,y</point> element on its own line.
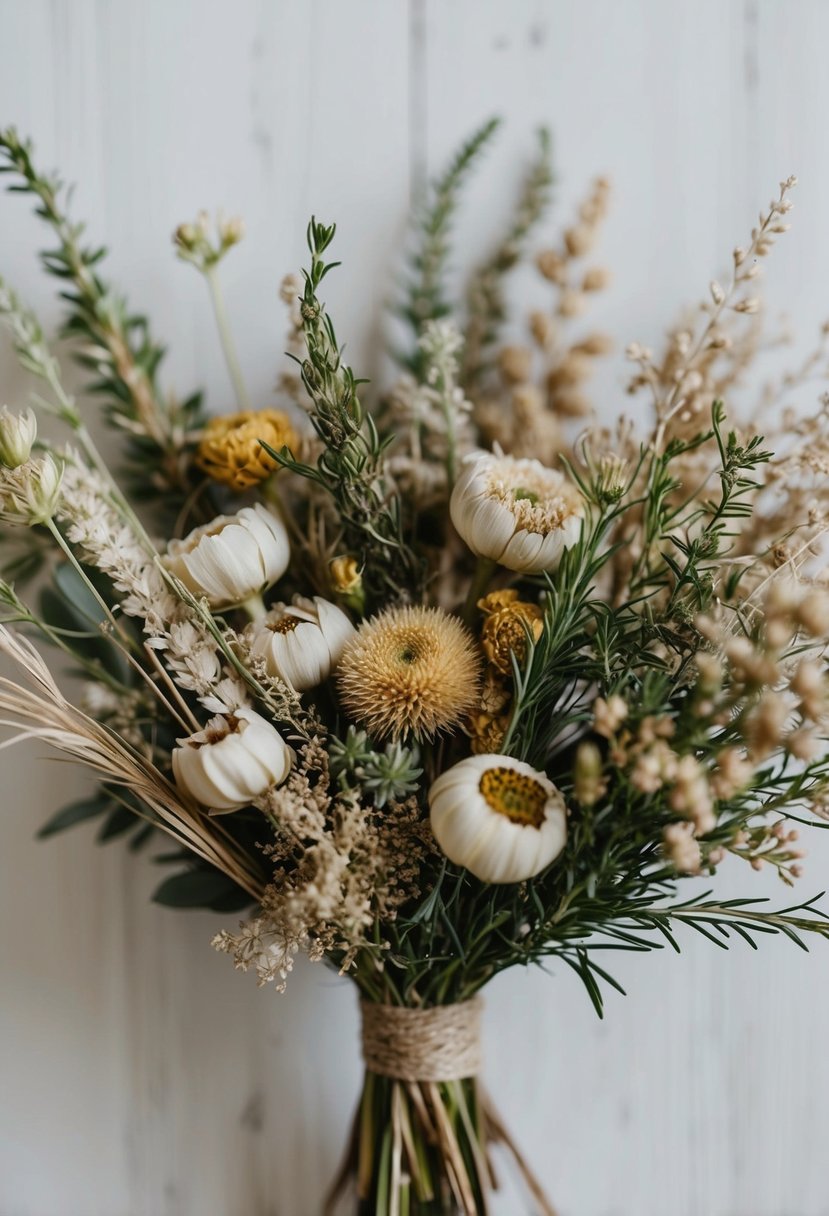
<point>345,574</point>
<point>487,733</point>
<point>495,693</point>
<point>347,582</point>
<point>508,625</point>
<point>230,450</point>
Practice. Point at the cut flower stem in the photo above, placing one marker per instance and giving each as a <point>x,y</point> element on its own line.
<point>484,570</point>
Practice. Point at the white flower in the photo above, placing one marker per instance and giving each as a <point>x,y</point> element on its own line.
<point>302,642</point>
<point>232,558</point>
<point>17,435</point>
<point>498,817</point>
<point>233,761</point>
<point>515,512</point>
<point>30,493</point>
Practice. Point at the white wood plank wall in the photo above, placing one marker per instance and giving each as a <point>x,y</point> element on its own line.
<point>139,1075</point>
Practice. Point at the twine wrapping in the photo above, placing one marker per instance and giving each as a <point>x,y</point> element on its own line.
<point>438,1044</point>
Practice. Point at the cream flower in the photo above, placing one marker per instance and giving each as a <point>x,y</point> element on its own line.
<point>30,493</point>
<point>17,435</point>
<point>498,817</point>
<point>233,761</point>
<point>232,558</point>
<point>515,512</point>
<point>302,642</point>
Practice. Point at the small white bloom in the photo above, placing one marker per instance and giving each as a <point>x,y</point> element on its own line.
<point>515,512</point>
<point>498,817</point>
<point>17,435</point>
<point>233,761</point>
<point>232,558</point>
<point>302,642</point>
<point>30,493</point>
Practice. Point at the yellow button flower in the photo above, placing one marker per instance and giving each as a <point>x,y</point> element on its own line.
<point>230,450</point>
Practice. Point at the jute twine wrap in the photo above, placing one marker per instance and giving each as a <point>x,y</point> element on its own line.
<point>439,1044</point>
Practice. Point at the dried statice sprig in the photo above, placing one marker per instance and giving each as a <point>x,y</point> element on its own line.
<point>678,385</point>
<point>289,382</point>
<point>96,528</point>
<point>544,380</point>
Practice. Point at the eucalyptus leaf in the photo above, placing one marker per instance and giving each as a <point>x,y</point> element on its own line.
<point>76,812</point>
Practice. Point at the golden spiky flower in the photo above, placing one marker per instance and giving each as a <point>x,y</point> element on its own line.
<point>230,451</point>
<point>410,671</point>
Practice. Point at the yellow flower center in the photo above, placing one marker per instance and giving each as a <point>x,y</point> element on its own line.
<point>285,624</point>
<point>541,500</point>
<point>414,648</point>
<point>522,799</point>
<point>216,730</point>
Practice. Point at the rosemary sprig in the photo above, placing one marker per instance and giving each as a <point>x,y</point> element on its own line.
<point>349,468</point>
<point>426,298</point>
<point>116,345</point>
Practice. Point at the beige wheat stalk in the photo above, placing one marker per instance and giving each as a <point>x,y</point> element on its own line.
<point>37,709</point>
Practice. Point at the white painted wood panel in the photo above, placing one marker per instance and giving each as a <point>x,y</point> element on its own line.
<point>139,1075</point>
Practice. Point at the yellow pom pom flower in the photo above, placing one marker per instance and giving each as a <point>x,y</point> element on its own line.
<point>230,450</point>
<point>410,671</point>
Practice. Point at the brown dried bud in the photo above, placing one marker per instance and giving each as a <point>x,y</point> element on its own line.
<point>594,344</point>
<point>579,240</point>
<point>571,304</point>
<point>552,266</point>
<point>515,363</point>
<point>597,278</point>
<point>573,369</point>
<point>527,404</point>
<point>543,329</point>
<point>572,404</point>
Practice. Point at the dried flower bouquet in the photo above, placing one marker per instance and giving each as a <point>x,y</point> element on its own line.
<point>433,687</point>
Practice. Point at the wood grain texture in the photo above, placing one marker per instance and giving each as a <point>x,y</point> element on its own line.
<point>139,1075</point>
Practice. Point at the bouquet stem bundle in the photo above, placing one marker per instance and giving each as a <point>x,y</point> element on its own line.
<point>421,1139</point>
